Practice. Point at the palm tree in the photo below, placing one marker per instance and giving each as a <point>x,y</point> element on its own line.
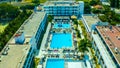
<point>83,46</point>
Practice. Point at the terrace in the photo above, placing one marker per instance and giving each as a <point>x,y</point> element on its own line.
<point>111,36</point>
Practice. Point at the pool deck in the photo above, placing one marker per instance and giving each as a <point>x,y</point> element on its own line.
<point>65,53</point>
<point>75,65</point>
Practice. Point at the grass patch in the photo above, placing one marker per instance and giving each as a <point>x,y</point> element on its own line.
<point>2,27</point>
<point>43,1</point>
<point>28,0</point>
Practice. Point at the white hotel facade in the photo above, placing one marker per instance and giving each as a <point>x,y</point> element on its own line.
<point>64,8</point>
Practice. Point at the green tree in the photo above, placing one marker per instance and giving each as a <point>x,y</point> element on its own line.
<point>96,11</point>
<point>15,24</point>
<point>114,3</point>
<point>75,22</point>
<point>7,11</point>
<point>103,18</point>
<point>50,17</point>
<point>106,8</point>
<point>36,2</point>
<point>93,2</point>
<point>30,7</point>
<point>87,8</point>
<point>84,44</point>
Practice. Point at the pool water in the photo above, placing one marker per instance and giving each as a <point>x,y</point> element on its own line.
<point>60,40</point>
<point>61,26</point>
<point>55,63</point>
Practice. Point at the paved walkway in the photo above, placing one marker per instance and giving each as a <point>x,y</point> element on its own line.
<point>103,51</point>
<point>85,24</point>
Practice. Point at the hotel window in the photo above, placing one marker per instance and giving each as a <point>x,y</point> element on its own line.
<point>102,60</point>
<point>94,43</point>
<point>105,66</point>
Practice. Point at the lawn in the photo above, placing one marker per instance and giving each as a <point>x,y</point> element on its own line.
<point>2,27</point>
<point>43,1</point>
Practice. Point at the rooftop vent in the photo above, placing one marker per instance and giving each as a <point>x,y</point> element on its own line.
<point>4,52</point>
<point>116,50</point>
<point>110,27</point>
<point>110,44</point>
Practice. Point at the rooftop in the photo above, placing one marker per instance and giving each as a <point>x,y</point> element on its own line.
<point>17,52</point>
<point>32,24</point>
<point>16,56</point>
<point>61,3</point>
<point>111,36</point>
<point>29,27</point>
<point>91,19</point>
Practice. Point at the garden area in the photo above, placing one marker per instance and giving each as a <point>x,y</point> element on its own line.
<point>2,27</point>
<point>85,45</point>
<point>109,16</point>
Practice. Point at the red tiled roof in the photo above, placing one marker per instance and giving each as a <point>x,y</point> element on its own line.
<point>110,37</point>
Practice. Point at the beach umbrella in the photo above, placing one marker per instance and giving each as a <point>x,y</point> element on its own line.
<point>73,17</point>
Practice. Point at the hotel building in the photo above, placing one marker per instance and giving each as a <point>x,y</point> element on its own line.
<point>64,8</point>
<point>19,52</point>
<point>106,43</point>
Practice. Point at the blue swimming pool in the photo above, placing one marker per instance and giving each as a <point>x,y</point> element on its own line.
<point>55,63</point>
<point>60,40</point>
<point>61,25</point>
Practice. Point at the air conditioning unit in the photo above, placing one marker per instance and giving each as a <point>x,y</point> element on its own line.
<point>4,53</point>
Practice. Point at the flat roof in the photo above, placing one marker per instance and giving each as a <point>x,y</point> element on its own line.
<point>16,56</point>
<point>91,19</point>
<point>111,38</point>
<point>31,26</point>
<point>62,3</point>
